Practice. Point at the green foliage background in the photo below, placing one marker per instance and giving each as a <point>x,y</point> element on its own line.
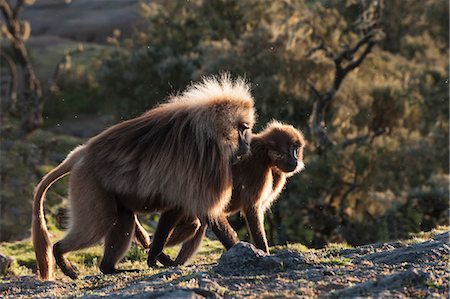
<point>386,188</point>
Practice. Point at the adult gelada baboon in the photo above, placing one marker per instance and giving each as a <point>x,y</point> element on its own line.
<point>175,158</point>
<point>258,179</point>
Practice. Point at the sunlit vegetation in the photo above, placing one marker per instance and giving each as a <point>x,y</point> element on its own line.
<point>393,182</point>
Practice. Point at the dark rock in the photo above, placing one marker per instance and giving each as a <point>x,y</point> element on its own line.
<point>182,294</point>
<point>444,237</point>
<point>371,248</point>
<point>209,285</point>
<point>241,259</point>
<point>291,259</point>
<point>244,259</point>
<point>5,263</point>
<point>377,287</point>
<point>207,293</point>
<point>415,253</point>
<point>329,273</point>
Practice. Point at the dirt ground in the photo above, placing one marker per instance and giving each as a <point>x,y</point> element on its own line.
<point>415,268</point>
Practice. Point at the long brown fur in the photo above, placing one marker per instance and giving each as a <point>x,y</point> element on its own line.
<point>174,158</point>
<point>40,236</point>
<point>257,182</point>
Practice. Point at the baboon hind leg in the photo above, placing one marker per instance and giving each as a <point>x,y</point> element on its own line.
<point>92,216</point>
<point>118,241</point>
<point>71,242</point>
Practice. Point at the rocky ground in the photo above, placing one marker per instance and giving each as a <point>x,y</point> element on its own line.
<point>413,268</point>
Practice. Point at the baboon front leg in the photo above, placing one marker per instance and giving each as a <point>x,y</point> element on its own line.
<point>224,232</point>
<point>191,246</point>
<point>166,224</point>
<point>255,225</point>
<point>183,231</point>
<point>118,240</point>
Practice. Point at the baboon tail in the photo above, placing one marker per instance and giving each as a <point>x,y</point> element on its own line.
<point>40,236</point>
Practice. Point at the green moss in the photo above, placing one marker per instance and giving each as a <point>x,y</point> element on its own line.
<point>23,254</point>
<point>429,283</point>
<point>295,247</point>
<point>22,251</point>
<point>337,261</point>
<point>427,235</point>
<point>338,246</point>
<point>136,254</point>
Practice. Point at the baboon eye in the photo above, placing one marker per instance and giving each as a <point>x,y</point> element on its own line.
<point>244,130</point>
<point>244,127</point>
<point>295,150</point>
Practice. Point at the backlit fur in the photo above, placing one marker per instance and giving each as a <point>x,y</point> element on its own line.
<point>176,155</point>
<point>179,151</point>
<point>258,180</point>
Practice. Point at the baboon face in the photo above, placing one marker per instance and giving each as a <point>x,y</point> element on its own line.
<point>286,150</point>
<point>237,133</point>
<point>239,139</point>
<point>230,115</point>
<point>244,139</point>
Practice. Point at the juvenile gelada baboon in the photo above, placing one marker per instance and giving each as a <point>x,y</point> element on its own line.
<point>276,154</point>
<point>175,158</point>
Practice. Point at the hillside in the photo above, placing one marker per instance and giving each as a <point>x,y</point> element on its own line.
<point>82,20</point>
<point>417,267</point>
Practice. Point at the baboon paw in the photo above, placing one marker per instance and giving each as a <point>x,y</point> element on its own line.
<point>152,263</point>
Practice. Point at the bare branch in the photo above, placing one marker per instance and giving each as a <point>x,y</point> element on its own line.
<point>314,89</point>
<point>6,10</point>
<point>14,81</point>
<point>368,138</point>
<point>17,9</point>
<point>311,51</point>
<point>361,58</point>
<point>348,54</point>
<point>324,99</point>
<point>60,66</point>
<point>32,95</point>
<point>320,47</point>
